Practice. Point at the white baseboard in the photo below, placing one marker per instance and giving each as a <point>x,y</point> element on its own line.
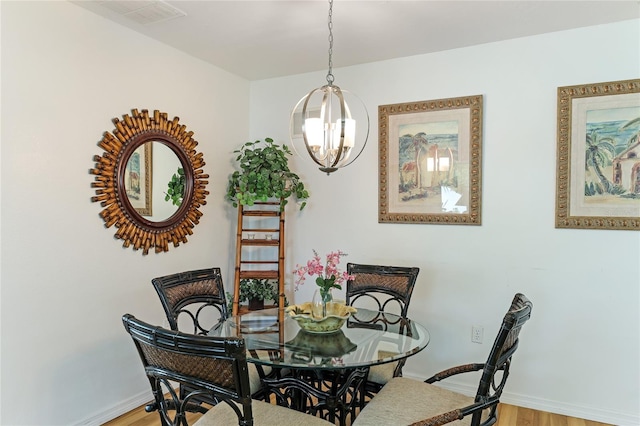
<point>117,410</point>
<point>566,409</point>
<point>572,410</point>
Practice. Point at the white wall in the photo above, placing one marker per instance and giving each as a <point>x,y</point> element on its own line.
<point>579,354</point>
<point>66,281</point>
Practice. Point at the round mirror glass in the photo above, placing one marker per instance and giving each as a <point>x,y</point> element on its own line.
<point>154,181</point>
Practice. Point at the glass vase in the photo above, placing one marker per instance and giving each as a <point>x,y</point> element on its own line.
<point>319,301</point>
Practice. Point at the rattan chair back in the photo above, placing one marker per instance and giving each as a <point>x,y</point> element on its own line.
<point>385,289</point>
<point>215,368</point>
<point>382,288</point>
<point>194,301</point>
<point>496,369</point>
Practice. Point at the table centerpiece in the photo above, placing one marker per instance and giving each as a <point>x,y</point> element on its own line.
<point>322,314</point>
<point>330,318</point>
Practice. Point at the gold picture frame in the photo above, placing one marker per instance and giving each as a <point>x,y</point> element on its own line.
<point>598,156</point>
<point>138,179</point>
<point>430,161</point>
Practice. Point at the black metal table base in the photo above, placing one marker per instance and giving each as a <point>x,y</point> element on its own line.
<point>330,394</point>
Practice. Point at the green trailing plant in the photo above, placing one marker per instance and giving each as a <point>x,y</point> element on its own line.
<point>175,191</point>
<point>264,174</point>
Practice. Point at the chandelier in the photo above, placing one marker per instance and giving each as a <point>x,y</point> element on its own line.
<point>325,124</point>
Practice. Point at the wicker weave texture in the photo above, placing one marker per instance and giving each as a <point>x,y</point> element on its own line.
<point>197,288</point>
<point>397,284</point>
<point>519,303</point>
<point>217,371</point>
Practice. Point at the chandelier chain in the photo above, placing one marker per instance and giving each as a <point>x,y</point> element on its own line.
<point>330,25</point>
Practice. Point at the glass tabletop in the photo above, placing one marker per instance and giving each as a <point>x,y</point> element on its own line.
<point>367,338</point>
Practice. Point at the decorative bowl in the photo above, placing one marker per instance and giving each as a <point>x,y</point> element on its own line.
<point>337,314</point>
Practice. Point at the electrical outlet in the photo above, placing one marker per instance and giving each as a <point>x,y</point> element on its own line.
<point>476,334</point>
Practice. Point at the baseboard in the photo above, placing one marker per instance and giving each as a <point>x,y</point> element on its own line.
<point>117,410</point>
<point>572,410</point>
<point>566,409</point>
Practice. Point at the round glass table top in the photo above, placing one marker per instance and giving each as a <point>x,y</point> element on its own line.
<point>367,338</point>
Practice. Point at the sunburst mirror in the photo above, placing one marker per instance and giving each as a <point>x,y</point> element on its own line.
<point>150,181</point>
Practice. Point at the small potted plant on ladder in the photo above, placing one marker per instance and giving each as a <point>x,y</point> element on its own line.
<point>254,292</point>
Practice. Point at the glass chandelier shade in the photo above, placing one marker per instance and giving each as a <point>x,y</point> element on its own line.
<point>324,125</point>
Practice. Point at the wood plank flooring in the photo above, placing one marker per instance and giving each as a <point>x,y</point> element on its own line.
<point>509,415</point>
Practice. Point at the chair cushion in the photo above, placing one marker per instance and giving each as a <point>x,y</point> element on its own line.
<point>264,414</point>
<point>403,401</point>
<point>255,382</point>
<point>382,373</point>
<point>254,378</point>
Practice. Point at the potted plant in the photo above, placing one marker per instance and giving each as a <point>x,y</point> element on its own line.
<point>264,174</point>
<point>255,291</point>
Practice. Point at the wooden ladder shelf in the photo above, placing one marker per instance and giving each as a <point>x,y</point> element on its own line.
<point>259,249</point>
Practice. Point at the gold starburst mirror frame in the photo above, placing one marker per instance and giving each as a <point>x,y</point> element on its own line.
<point>113,179</point>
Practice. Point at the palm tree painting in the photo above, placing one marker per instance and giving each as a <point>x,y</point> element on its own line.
<point>612,154</point>
<point>419,143</point>
<point>427,158</point>
<point>600,152</point>
<point>430,168</point>
<point>598,156</point>
<point>132,177</point>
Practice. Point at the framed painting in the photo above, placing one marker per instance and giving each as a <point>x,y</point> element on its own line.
<point>430,161</point>
<point>138,179</point>
<point>598,156</point>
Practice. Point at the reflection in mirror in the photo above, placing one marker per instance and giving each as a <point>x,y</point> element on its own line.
<point>138,179</point>
<point>149,170</point>
<point>133,175</point>
<point>164,168</point>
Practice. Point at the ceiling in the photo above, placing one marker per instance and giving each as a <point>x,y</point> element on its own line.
<point>265,39</point>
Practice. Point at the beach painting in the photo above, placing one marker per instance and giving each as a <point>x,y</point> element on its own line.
<point>427,172</point>
<point>598,164</point>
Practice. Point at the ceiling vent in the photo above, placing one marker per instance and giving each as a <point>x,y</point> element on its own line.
<point>144,12</point>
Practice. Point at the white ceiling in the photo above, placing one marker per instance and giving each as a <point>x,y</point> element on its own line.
<point>265,39</point>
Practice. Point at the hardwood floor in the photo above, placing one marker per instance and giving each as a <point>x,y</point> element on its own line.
<point>509,415</point>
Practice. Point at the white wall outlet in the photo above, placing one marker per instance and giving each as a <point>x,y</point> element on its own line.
<point>476,334</point>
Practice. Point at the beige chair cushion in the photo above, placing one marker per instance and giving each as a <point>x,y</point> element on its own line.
<point>264,414</point>
<point>254,377</point>
<point>403,401</point>
<point>382,373</point>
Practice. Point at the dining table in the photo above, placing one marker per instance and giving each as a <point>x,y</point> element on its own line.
<point>322,374</point>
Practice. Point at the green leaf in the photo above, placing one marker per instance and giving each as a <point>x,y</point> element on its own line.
<point>176,187</point>
<point>264,174</point>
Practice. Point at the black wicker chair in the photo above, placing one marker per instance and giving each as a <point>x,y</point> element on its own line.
<point>214,368</point>
<point>386,289</point>
<point>406,401</point>
<point>195,302</point>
